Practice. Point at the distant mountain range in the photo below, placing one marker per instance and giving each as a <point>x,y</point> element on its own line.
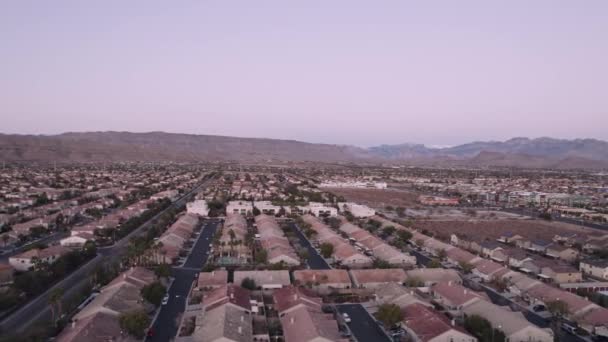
<point>160,146</point>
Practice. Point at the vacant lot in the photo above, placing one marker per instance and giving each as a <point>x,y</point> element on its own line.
<point>378,198</point>
<point>492,229</point>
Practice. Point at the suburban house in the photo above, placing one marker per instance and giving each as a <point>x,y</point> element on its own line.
<point>267,279</point>
<point>375,278</point>
<point>430,276</point>
<point>26,260</point>
<point>427,325</point>
<point>226,316</point>
<point>212,280</point>
<point>393,293</point>
<point>539,246</point>
<point>302,319</point>
<point>490,247</point>
<point>454,297</point>
<point>77,240</point>
<point>509,238</point>
<point>597,268</point>
<point>275,243</point>
<point>101,316</point>
<point>459,256</point>
<point>513,324</point>
<point>487,269</point>
<point>323,279</point>
<point>562,252</point>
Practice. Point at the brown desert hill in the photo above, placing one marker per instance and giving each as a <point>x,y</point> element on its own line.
<point>160,146</point>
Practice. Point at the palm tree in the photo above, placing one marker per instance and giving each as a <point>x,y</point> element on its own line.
<point>55,300</point>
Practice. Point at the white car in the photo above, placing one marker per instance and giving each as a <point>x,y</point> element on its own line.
<point>165,300</point>
<point>346,317</point>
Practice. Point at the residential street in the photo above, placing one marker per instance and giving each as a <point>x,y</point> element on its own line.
<point>166,325</point>
<point>315,261</point>
<point>38,308</point>
<point>363,326</point>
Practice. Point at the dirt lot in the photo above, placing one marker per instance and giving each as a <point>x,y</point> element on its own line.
<point>378,198</point>
<point>492,229</point>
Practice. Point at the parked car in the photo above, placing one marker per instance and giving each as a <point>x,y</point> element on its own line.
<point>346,317</point>
<point>569,328</point>
<point>165,300</point>
<point>539,308</point>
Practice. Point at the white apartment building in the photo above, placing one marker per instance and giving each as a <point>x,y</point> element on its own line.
<point>239,207</point>
<point>266,207</point>
<point>319,209</point>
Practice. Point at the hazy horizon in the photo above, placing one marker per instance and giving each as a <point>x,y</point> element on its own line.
<point>340,72</point>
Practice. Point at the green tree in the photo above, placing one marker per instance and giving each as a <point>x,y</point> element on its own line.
<point>334,222</point>
<point>327,249</point>
<point>135,323</point>
<point>482,329</point>
<point>261,256</point>
<point>466,267</point>
<point>558,308</point>
<point>389,315</point>
<point>404,235</point>
<point>154,292</point>
<point>55,302</point>
<point>414,282</point>
<point>441,254</point>
<point>434,263</point>
<point>304,254</point>
<point>388,230</point>
<point>163,270</point>
<point>378,263</point>
<point>249,284</point>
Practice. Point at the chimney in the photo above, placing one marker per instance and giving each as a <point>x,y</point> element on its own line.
<point>231,295</point>
<point>242,318</point>
<point>450,283</point>
<point>212,273</point>
<point>466,291</point>
<point>314,277</point>
<point>453,323</point>
<point>292,320</point>
<point>240,330</point>
<point>73,324</point>
<point>295,296</point>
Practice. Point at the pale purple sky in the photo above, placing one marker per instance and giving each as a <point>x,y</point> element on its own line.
<point>348,72</point>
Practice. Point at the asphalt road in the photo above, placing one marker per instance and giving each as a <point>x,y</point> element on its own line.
<point>362,325</point>
<point>50,239</point>
<point>38,307</point>
<point>315,261</point>
<point>167,322</point>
